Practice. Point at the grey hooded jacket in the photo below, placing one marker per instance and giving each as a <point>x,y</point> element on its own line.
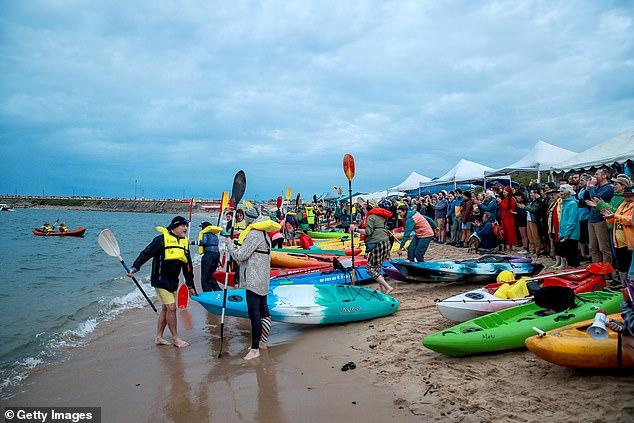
<point>255,260</point>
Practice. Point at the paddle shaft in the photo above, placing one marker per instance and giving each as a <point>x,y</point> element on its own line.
<point>237,191</point>
<point>591,269</point>
<point>138,285</point>
<point>351,233</point>
<point>224,295</point>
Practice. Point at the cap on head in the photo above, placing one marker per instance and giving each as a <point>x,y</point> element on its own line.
<point>205,224</point>
<point>178,221</point>
<point>623,180</point>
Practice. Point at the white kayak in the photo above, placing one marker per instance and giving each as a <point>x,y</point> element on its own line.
<point>475,303</point>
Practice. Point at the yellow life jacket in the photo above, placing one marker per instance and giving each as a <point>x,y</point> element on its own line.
<point>310,215</point>
<point>175,248</point>
<point>212,229</point>
<point>263,225</point>
<point>239,226</point>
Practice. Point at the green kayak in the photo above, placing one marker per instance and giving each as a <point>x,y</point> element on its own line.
<point>327,235</point>
<point>508,329</point>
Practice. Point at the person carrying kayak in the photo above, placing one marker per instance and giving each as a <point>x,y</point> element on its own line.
<point>169,252</point>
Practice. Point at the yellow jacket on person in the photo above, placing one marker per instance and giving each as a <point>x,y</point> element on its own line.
<point>175,248</point>
<point>264,225</point>
<point>239,226</point>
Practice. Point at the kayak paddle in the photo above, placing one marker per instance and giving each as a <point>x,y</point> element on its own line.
<point>601,268</point>
<point>237,191</point>
<point>109,244</point>
<point>348,169</point>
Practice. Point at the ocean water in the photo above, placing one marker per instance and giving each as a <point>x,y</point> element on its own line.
<point>57,290</point>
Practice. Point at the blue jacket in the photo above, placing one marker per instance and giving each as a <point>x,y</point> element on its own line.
<point>569,219</point>
<point>451,210</point>
<point>486,235</point>
<point>489,206</point>
<point>605,192</point>
<point>209,242</point>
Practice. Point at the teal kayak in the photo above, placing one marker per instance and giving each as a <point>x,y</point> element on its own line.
<point>308,304</point>
<point>508,329</point>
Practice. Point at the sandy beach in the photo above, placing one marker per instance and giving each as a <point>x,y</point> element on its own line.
<point>300,377</point>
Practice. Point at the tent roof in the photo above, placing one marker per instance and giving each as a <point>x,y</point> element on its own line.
<point>541,157</point>
<point>463,171</point>
<point>618,149</point>
<point>380,194</point>
<point>411,182</point>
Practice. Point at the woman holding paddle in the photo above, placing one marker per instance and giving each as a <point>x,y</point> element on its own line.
<point>255,272</point>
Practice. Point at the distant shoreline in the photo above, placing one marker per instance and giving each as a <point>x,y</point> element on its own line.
<point>110,204</point>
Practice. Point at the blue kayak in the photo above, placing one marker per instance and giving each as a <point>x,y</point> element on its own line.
<point>308,304</point>
<point>481,270</point>
<point>328,277</point>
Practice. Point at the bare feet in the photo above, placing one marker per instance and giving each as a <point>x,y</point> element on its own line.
<point>389,291</point>
<point>253,353</point>
<point>263,345</point>
<point>179,343</point>
<point>159,340</point>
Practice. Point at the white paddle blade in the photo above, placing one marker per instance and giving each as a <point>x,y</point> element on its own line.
<point>109,243</point>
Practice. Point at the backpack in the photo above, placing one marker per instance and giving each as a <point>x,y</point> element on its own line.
<point>497,231</point>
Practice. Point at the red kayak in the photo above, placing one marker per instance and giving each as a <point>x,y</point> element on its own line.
<point>220,275</point>
<point>75,232</point>
<point>583,281</point>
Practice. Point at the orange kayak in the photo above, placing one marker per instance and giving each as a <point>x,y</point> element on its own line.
<point>75,232</point>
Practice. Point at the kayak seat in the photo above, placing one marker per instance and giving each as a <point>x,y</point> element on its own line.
<point>533,287</point>
<point>557,298</point>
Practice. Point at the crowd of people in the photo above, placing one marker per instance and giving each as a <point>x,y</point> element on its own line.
<point>583,218</point>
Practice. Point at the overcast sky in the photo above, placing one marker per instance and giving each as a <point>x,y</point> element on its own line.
<point>179,96</point>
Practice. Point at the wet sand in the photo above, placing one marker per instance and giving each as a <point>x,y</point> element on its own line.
<point>300,378</point>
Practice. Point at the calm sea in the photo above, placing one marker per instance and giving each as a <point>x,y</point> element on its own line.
<point>57,290</point>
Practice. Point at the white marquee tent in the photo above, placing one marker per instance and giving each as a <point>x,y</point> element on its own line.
<point>464,171</point>
<point>541,157</point>
<point>379,194</point>
<point>410,183</point>
<point>619,149</point>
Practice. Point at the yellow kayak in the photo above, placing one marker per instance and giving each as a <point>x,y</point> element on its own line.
<point>571,346</point>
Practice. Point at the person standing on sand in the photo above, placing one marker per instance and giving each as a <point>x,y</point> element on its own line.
<point>170,256</point>
<point>254,255</point>
<point>377,242</point>
<point>208,247</point>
